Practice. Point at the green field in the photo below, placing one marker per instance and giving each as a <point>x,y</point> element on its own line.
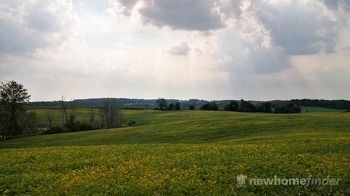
<point>181,153</point>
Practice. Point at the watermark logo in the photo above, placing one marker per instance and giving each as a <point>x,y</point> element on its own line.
<point>241,180</point>
<point>309,181</point>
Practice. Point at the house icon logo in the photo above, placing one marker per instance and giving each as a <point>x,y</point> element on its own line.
<point>241,180</point>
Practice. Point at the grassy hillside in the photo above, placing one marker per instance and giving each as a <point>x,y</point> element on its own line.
<point>183,152</point>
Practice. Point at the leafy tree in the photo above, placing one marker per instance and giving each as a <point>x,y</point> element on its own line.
<point>206,106</point>
<point>288,107</point>
<point>266,107</point>
<point>177,106</point>
<point>191,107</point>
<point>232,106</point>
<point>13,117</point>
<point>71,123</point>
<point>162,103</point>
<point>171,106</point>
<point>246,106</point>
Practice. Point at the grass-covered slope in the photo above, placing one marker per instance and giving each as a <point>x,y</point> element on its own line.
<point>203,127</point>
<point>183,152</point>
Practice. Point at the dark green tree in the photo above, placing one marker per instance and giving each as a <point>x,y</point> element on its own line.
<point>246,106</point>
<point>191,107</point>
<point>288,107</point>
<point>13,119</point>
<point>177,106</point>
<point>162,104</point>
<point>171,106</point>
<point>232,106</point>
<point>266,107</point>
<point>210,106</point>
<point>72,124</point>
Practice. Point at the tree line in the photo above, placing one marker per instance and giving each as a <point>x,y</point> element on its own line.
<point>333,104</point>
<point>110,116</point>
<point>16,120</point>
<point>164,105</point>
<point>237,106</point>
<point>246,106</point>
<point>185,104</point>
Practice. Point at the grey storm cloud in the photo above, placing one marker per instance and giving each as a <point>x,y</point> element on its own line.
<point>182,49</point>
<point>129,4</point>
<point>337,4</point>
<point>44,21</point>
<point>299,30</point>
<point>29,25</point>
<point>197,15</point>
<point>293,28</point>
<point>15,39</point>
<point>250,56</point>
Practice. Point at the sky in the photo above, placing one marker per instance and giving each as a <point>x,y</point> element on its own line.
<point>207,49</point>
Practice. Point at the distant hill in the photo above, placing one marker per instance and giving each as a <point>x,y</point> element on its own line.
<point>151,103</point>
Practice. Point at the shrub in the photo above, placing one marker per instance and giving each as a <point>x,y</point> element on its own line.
<point>131,123</point>
<point>55,129</point>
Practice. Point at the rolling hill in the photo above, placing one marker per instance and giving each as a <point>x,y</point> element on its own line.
<point>184,152</point>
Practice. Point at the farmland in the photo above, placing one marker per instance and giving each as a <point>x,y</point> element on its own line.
<point>182,152</point>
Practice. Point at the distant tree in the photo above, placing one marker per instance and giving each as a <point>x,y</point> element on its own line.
<point>209,106</point>
<point>246,106</point>
<point>29,122</point>
<point>266,107</point>
<point>49,117</point>
<point>71,123</point>
<point>171,106</point>
<point>288,107</point>
<point>177,106</point>
<point>91,114</point>
<point>162,104</point>
<point>111,114</point>
<point>232,106</point>
<point>206,106</point>
<point>13,116</point>
<point>64,111</point>
<point>191,107</point>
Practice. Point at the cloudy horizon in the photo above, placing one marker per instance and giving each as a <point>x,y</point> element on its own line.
<point>207,49</point>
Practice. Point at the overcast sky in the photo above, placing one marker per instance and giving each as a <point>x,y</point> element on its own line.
<point>210,49</point>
